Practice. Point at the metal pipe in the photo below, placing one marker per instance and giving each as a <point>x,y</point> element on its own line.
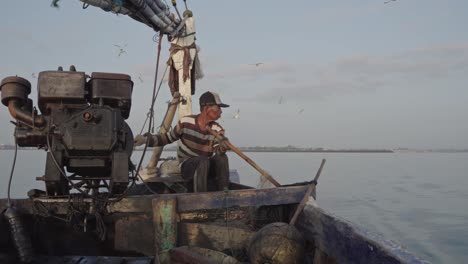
<point>138,17</point>
<point>159,12</point>
<point>148,13</point>
<point>161,4</point>
<point>155,15</point>
<point>106,6</point>
<point>164,7</point>
<point>14,106</point>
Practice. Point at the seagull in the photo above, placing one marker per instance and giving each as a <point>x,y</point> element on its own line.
<point>257,64</point>
<point>139,77</point>
<point>388,1</point>
<point>55,3</point>
<point>121,49</point>
<point>33,75</point>
<point>280,101</point>
<point>301,110</point>
<point>236,115</point>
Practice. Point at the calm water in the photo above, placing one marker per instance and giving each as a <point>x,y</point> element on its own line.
<point>417,199</point>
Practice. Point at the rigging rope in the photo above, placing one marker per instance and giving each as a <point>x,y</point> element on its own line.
<point>154,100</point>
<point>151,118</point>
<point>11,174</point>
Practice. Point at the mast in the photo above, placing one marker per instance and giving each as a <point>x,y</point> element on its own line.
<point>184,70</point>
<point>181,47</point>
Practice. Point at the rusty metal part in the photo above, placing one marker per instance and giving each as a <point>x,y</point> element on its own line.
<point>14,87</point>
<point>15,91</point>
<point>14,106</point>
<point>87,116</point>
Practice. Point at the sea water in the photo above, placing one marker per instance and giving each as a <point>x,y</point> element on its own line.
<point>419,200</point>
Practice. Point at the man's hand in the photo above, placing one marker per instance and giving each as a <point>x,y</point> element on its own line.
<point>139,140</point>
<point>222,147</point>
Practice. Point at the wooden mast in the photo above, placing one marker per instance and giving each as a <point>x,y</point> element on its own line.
<point>183,98</point>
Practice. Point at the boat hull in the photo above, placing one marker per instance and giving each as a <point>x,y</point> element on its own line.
<point>140,227</point>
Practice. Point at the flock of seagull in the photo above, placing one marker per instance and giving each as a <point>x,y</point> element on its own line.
<point>236,115</point>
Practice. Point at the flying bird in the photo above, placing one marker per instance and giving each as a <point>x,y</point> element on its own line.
<point>55,3</point>
<point>33,75</point>
<point>121,49</point>
<point>257,64</point>
<point>280,101</point>
<point>388,1</point>
<point>139,77</point>
<point>236,115</point>
<point>301,110</point>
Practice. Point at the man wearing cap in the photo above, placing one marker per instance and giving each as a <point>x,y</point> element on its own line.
<point>197,145</point>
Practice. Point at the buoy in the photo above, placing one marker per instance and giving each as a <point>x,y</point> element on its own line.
<point>277,243</point>
<point>20,236</point>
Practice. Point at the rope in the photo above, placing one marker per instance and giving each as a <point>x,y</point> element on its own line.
<point>151,118</point>
<point>144,123</point>
<point>11,174</point>
<point>151,112</point>
<point>152,103</point>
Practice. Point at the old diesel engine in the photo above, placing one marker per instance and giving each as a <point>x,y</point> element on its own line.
<point>82,125</point>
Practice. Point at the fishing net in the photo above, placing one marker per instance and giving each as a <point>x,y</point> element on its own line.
<point>277,243</point>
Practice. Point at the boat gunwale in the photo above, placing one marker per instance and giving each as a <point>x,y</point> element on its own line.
<point>186,202</point>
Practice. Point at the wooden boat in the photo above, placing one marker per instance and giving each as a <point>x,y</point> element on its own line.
<point>209,227</point>
<point>149,228</point>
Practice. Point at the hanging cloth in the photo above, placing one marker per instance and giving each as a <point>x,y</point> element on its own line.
<point>187,60</point>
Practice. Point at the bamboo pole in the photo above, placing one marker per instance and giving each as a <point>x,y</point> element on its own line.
<point>165,126</point>
<point>243,156</point>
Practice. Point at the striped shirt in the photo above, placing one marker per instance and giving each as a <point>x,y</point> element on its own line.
<point>193,142</point>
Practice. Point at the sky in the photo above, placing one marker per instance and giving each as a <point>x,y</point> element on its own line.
<point>335,74</point>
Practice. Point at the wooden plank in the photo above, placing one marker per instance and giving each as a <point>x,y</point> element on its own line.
<point>164,223</point>
<point>132,234</point>
<point>185,256</point>
<point>172,178</point>
<point>343,242</point>
<point>186,202</point>
<point>133,204</point>
<point>244,213</point>
<point>256,197</point>
<point>213,236</point>
<point>91,260</point>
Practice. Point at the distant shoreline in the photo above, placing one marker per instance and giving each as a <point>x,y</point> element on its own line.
<point>299,150</point>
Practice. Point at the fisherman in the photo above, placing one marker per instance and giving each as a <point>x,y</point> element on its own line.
<point>202,158</point>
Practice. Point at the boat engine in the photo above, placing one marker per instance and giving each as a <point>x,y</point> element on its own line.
<point>82,125</point>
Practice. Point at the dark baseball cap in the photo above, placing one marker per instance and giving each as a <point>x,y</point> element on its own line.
<point>211,98</point>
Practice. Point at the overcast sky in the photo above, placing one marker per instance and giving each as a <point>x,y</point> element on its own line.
<point>335,74</point>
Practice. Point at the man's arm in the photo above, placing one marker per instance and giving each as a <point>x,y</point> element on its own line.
<point>159,139</point>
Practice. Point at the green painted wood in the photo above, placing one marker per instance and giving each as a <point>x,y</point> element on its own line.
<point>165,223</point>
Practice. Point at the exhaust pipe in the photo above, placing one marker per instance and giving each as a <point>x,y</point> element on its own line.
<point>15,91</point>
